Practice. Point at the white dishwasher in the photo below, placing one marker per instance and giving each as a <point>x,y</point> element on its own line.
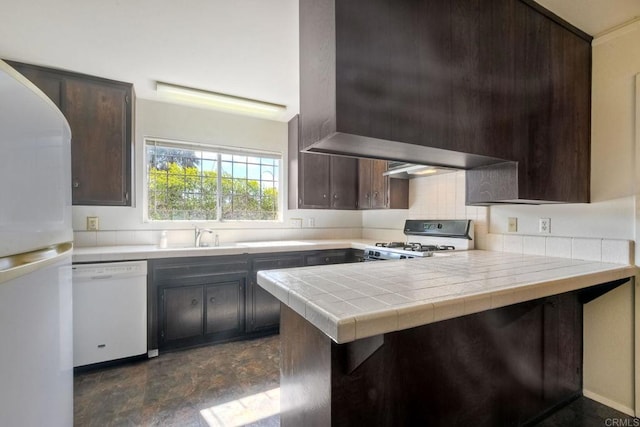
<point>109,311</point>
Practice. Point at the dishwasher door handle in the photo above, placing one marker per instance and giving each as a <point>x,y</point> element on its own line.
<point>101,277</point>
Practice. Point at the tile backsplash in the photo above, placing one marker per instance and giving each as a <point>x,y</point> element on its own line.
<point>591,249</point>
<point>433,197</point>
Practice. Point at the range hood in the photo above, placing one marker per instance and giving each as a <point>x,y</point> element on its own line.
<point>522,138</point>
<point>404,170</point>
<point>345,144</point>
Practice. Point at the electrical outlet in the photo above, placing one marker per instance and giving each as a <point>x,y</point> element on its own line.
<point>93,223</point>
<point>296,222</point>
<point>512,226</point>
<point>312,222</point>
<point>544,225</point>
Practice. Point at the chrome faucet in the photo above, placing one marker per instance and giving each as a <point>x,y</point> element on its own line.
<point>198,234</point>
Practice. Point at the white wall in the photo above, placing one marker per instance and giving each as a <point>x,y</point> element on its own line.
<point>609,354</point>
<point>127,225</point>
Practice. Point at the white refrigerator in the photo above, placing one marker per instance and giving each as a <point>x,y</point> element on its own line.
<point>36,336</point>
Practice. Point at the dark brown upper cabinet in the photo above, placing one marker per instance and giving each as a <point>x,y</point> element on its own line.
<point>99,112</point>
<point>501,89</point>
<point>318,181</point>
<point>377,191</point>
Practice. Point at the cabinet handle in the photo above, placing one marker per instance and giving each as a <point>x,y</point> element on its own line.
<point>324,196</point>
<point>375,195</point>
<point>366,196</point>
<point>335,196</point>
<point>194,302</point>
<point>327,259</point>
<point>76,184</point>
<point>212,300</point>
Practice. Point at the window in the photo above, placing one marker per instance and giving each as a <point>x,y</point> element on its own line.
<point>198,182</point>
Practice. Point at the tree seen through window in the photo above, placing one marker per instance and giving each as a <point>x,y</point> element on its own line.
<point>193,184</point>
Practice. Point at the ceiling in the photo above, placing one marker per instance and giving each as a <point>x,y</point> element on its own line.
<point>594,17</point>
<point>246,48</point>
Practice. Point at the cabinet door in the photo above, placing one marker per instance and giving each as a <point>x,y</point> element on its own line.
<point>364,183</point>
<point>379,199</point>
<point>48,82</point>
<point>264,307</point>
<point>314,181</point>
<point>224,308</point>
<point>98,113</point>
<point>183,312</point>
<point>344,182</point>
<point>376,191</point>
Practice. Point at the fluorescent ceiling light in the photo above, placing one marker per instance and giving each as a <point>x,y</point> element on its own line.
<point>218,100</point>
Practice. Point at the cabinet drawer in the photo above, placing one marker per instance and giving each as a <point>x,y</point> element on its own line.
<point>186,269</point>
<point>329,257</point>
<point>273,263</point>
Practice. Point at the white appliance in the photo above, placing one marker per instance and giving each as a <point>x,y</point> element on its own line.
<point>36,350</point>
<point>109,311</point>
<point>427,238</point>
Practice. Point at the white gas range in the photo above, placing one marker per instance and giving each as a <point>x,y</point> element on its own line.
<point>427,237</point>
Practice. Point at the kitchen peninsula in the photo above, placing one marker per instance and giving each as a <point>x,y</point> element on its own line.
<point>466,338</point>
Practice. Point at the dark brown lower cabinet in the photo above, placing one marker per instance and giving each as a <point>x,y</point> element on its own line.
<point>201,300</point>
<point>197,314</point>
<point>500,367</point>
<point>263,309</point>
<point>195,301</point>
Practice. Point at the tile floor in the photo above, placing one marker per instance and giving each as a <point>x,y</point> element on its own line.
<point>232,384</point>
<point>221,385</point>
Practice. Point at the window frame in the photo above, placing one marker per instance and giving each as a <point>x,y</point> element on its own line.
<point>220,150</point>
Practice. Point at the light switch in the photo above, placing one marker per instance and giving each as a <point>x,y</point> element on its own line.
<point>512,226</point>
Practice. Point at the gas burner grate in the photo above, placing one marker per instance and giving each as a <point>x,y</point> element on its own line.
<point>391,244</point>
<point>415,247</point>
<point>419,247</point>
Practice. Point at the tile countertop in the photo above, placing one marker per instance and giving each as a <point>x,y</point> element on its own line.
<point>131,253</point>
<point>353,301</point>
